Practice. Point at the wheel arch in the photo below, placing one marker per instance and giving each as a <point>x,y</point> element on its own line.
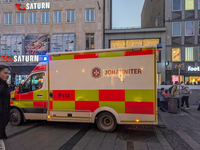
<point>21,111</point>
<point>105,109</point>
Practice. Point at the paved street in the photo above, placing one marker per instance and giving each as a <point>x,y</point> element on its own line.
<point>175,131</point>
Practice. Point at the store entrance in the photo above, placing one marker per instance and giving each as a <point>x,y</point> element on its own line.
<point>192,80</point>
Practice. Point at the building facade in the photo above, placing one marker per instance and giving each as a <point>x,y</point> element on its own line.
<point>182,22</point>
<point>116,38</point>
<point>37,27</point>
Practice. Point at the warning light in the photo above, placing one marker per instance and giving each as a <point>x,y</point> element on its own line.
<point>137,120</point>
<point>45,58</point>
<point>49,116</point>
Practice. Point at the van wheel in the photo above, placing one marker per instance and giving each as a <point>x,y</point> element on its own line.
<point>15,117</point>
<point>106,122</point>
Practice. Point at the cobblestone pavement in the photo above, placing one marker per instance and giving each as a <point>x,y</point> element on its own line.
<point>174,132</point>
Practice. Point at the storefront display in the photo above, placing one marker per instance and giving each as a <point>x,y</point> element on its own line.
<point>176,78</point>
<point>37,44</point>
<point>192,80</point>
<point>11,45</point>
<point>63,42</point>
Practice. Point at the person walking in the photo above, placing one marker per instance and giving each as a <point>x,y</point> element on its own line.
<point>185,93</point>
<point>4,103</point>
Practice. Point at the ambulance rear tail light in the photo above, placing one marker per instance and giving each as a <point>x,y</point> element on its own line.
<point>137,120</point>
<point>49,116</point>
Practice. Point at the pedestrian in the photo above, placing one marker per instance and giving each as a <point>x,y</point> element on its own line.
<point>166,101</point>
<point>163,100</point>
<point>4,103</point>
<point>163,83</point>
<point>174,92</point>
<point>185,93</point>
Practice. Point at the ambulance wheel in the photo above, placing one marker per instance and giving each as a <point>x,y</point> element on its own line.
<point>15,117</point>
<point>106,122</point>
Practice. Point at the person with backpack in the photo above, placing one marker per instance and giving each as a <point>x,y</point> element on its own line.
<point>174,89</point>
<point>163,100</point>
<point>185,93</point>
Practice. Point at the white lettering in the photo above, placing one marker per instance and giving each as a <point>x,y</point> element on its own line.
<point>27,58</point>
<point>19,59</point>
<point>43,5</point>
<point>47,5</point>
<point>15,58</point>
<point>31,6</point>
<point>36,58</point>
<point>31,58</point>
<point>27,6</point>
<point>39,6</point>
<point>22,58</point>
<point>35,5</point>
<point>193,68</point>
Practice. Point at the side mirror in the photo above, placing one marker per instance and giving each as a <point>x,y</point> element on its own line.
<point>20,88</point>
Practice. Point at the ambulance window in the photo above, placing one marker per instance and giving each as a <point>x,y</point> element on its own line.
<point>37,81</point>
<point>26,87</point>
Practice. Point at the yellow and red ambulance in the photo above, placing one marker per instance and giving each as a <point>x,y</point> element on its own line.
<point>106,87</point>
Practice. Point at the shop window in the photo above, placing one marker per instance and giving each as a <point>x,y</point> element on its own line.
<point>36,44</point>
<point>20,0</point>
<point>44,17</point>
<point>189,28</point>
<point>192,80</point>
<point>7,1</point>
<point>189,54</point>
<point>89,42</point>
<point>32,0</point>
<point>176,78</point>
<point>57,16</point>
<point>189,4</point>
<point>176,5</point>
<point>33,18</point>
<point>70,16</point>
<point>89,15</point>
<point>20,18</point>
<point>176,54</point>
<point>198,4</point>
<point>63,42</point>
<point>176,29</point>
<point>35,82</point>
<point>11,45</point>
<point>199,54</point>
<point>8,18</point>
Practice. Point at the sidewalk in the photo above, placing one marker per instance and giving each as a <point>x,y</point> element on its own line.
<point>179,131</point>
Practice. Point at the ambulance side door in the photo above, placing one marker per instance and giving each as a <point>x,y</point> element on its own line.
<point>32,96</point>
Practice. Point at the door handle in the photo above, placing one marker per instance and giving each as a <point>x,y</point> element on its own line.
<point>51,94</point>
<point>13,99</point>
<point>39,95</point>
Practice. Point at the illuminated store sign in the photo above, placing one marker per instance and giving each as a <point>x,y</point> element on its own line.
<point>193,68</point>
<point>33,6</point>
<point>26,58</point>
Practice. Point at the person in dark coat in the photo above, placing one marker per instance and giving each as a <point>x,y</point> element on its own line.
<point>4,103</point>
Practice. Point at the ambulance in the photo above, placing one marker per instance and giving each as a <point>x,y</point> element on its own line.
<point>108,87</point>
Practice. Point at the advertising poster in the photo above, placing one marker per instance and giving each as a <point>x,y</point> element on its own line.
<point>5,45</point>
<point>36,44</point>
<point>63,42</point>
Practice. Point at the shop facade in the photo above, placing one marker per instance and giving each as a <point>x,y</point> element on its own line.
<point>118,38</point>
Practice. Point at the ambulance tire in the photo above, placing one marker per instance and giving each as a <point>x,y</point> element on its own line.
<point>106,122</point>
<point>15,117</point>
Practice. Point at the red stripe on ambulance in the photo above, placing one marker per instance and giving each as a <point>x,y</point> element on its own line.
<point>111,95</point>
<point>37,68</point>
<point>85,56</point>
<point>139,107</point>
<point>143,52</point>
<point>86,105</point>
<point>63,95</point>
<point>25,96</point>
<point>39,104</point>
<point>11,103</point>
